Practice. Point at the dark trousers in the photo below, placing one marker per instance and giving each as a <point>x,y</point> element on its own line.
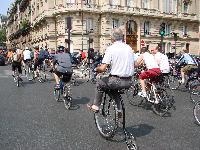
<point>114,83</point>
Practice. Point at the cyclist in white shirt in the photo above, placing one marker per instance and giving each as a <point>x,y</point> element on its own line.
<point>162,60</point>
<point>27,54</point>
<point>121,60</point>
<point>152,69</point>
<point>26,58</point>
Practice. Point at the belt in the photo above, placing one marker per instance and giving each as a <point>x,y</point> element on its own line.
<point>120,77</point>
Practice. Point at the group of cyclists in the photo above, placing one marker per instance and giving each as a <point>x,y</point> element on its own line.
<point>120,59</point>
<point>23,58</point>
<point>122,63</point>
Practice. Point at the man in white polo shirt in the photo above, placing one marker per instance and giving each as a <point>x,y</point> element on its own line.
<point>119,56</point>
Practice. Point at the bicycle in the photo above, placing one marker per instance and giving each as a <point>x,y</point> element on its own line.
<point>63,93</point>
<point>16,77</point>
<point>108,119</point>
<point>195,92</point>
<point>29,70</point>
<point>196,112</point>
<point>175,78</point>
<point>157,96</point>
<point>41,75</point>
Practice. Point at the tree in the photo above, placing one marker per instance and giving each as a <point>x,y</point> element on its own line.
<point>2,35</point>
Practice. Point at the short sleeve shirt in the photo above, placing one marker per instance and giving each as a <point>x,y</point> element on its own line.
<point>120,58</point>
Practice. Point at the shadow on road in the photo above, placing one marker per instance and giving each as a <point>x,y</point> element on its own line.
<point>140,130</point>
<point>76,102</point>
<point>136,131</point>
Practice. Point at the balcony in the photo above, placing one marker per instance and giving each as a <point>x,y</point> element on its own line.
<point>186,16</point>
<point>74,7</point>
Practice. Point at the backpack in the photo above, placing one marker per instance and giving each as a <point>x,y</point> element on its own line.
<point>46,54</point>
<point>41,55</point>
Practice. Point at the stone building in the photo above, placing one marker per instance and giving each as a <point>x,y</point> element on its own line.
<point>3,20</point>
<point>88,23</point>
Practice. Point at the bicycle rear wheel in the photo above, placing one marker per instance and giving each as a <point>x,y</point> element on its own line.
<point>67,96</point>
<point>57,93</point>
<point>165,102</point>
<point>196,112</point>
<point>105,119</point>
<point>30,74</point>
<point>174,82</point>
<point>195,92</point>
<point>17,81</point>
<point>132,95</point>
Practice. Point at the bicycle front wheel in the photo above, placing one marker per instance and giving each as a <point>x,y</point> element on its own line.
<point>196,112</point>
<point>195,93</point>
<point>105,119</point>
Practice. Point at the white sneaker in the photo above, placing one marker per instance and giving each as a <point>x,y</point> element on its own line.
<point>152,101</point>
<point>142,94</point>
<point>156,101</point>
<point>181,82</point>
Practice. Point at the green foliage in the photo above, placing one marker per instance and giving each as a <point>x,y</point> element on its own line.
<point>2,35</point>
<point>24,24</point>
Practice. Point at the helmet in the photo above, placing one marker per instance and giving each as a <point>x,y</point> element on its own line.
<point>36,47</point>
<point>60,48</point>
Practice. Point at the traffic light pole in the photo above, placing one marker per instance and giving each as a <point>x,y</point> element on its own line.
<point>161,42</point>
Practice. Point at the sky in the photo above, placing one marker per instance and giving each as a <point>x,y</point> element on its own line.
<point>4,6</point>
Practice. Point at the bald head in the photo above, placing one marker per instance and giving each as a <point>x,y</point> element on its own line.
<point>117,34</point>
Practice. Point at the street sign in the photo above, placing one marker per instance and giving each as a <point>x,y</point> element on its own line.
<point>142,43</point>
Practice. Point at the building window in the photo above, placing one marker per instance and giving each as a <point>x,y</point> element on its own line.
<point>129,3</point>
<point>68,23</point>
<point>146,28</point>
<point>130,27</point>
<point>174,6</point>
<point>185,30</point>
<point>115,23</point>
<point>145,4</point>
<point>168,28</point>
<point>87,1</point>
<point>71,1</point>
<point>114,2</point>
<point>185,7</point>
<point>169,6</point>
<point>89,25</point>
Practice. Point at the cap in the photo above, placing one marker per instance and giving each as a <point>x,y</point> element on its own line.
<point>60,48</point>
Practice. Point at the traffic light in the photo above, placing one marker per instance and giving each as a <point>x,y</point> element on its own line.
<point>175,36</point>
<point>162,29</point>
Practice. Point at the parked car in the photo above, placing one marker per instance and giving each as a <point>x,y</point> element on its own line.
<point>2,60</point>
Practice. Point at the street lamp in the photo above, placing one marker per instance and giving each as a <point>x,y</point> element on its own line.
<point>69,27</point>
<point>175,39</point>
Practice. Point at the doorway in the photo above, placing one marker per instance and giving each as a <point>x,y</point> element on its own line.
<point>131,34</point>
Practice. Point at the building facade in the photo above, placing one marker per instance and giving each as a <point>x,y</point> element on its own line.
<point>84,24</point>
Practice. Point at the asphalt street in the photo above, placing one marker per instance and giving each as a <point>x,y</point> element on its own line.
<point>32,120</point>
